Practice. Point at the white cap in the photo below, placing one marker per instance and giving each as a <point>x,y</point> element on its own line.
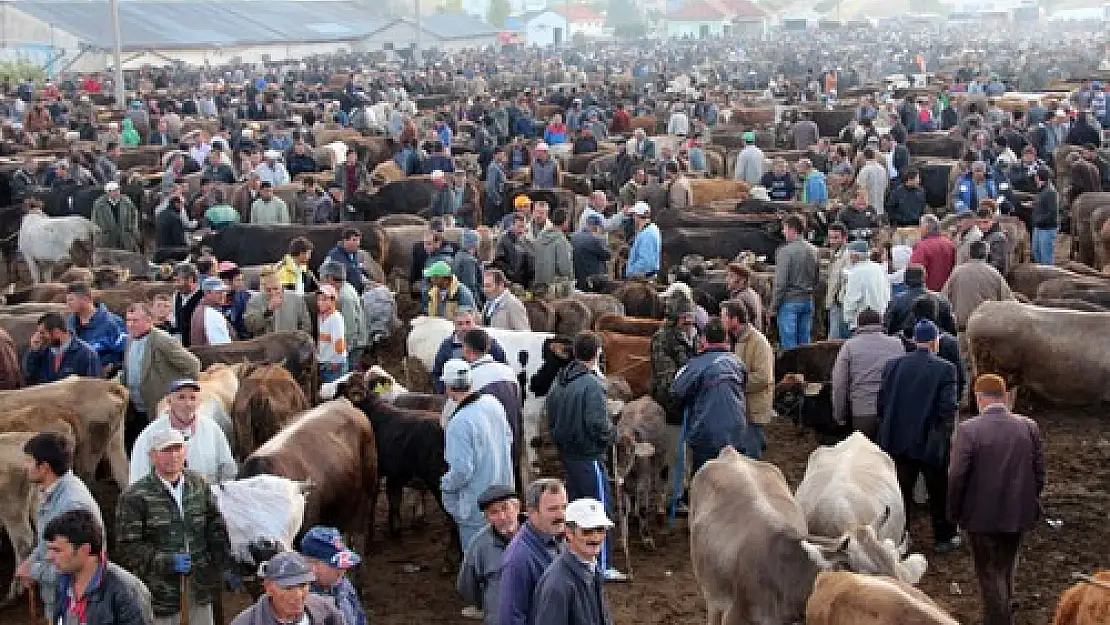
<point>587,513</point>
<point>111,186</point>
<point>437,174</point>
<point>456,374</point>
<point>641,208</point>
<point>246,132</point>
<point>541,146</point>
<point>272,154</point>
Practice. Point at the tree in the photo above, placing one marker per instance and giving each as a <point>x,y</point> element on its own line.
<point>498,12</point>
<point>625,19</point>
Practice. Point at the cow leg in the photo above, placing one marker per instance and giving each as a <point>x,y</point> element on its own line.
<point>394,490</point>
<point>16,520</point>
<point>117,457</point>
<point>452,558</point>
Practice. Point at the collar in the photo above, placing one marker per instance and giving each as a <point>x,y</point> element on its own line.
<point>49,491</point>
<point>179,488</point>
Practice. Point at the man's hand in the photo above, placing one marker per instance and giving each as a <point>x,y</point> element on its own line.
<point>23,573</point>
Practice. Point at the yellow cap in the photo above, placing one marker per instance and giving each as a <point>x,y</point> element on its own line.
<point>521,201</point>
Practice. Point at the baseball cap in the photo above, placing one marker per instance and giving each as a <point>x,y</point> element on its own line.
<point>165,438</point>
<point>212,284</point>
<point>521,201</point>
<point>437,174</point>
<point>439,269</point>
<point>587,513</point>
<point>541,146</point>
<point>287,569</point>
<point>456,374</point>
<point>494,494</point>
<point>111,186</point>
<point>641,208</point>
<point>181,383</point>
<point>988,383</point>
<point>925,331</point>
<point>326,545</point>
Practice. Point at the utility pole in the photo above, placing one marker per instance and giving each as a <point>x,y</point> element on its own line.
<point>416,44</point>
<point>113,5</point>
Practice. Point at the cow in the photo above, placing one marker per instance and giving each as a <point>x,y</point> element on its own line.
<point>410,196</point>
<point>640,463</point>
<point>1027,278</point>
<point>813,361</point>
<point>541,315</point>
<point>633,326</point>
<point>571,317</point>
<point>707,190</point>
<point>92,409</point>
<point>639,299</point>
<point>842,598</point>
<point>850,484</point>
<point>1070,304</point>
<point>267,400</point>
<point>628,357</point>
<point>1084,228</point>
<point>599,303</point>
<point>258,244</point>
<point>49,240</point>
<point>296,351</point>
<point>404,238</point>
<point>331,446</point>
<point>18,499</point>
<point>1085,603</point>
<point>1094,290</point>
<point>1050,352</point>
<point>752,554</point>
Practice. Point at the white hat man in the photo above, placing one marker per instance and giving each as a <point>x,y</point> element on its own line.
<point>569,590</point>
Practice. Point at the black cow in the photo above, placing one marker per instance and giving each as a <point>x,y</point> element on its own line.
<point>399,197</point>
<point>255,244</point>
<point>718,242</point>
<point>70,199</point>
<point>814,361</point>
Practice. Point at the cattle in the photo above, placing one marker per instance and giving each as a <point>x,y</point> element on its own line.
<point>403,239</point>
<point>841,598</point>
<point>706,190</point>
<point>752,554</point>
<point>331,446</point>
<point>1093,290</point>
<point>813,361</point>
<point>1047,351</point>
<point>639,299</point>
<point>296,351</point>
<point>850,484</point>
<point>257,244</point>
<point>641,463</point>
<point>571,317</point>
<point>390,221</point>
<point>541,315</point>
<point>599,303</point>
<point>91,409</point>
<point>1085,603</point>
<point>1070,304</point>
<point>410,196</point>
<point>628,357</point>
<point>720,240</point>
<point>633,326</point>
<point>49,240</point>
<point>267,400</point>
<point>1086,236</point>
<point>18,498</point>
<point>1026,278</point>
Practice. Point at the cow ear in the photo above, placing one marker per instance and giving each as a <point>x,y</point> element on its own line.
<point>644,450</point>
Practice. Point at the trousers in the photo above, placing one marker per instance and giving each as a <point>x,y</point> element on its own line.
<point>995,558</point>
<point>198,615</point>
<point>936,484</point>
<point>795,321</point>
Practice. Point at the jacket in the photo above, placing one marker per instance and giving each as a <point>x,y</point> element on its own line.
<point>345,599</point>
<point>444,202</point>
<point>866,286</point>
<point>916,407</point>
<point>874,177</point>
<point>118,598</point>
<point>971,284</point>
<point>451,347</point>
<point>1046,211</point>
<point>905,205</point>
<point>105,333</point>
<point>645,255</point>
<point>553,257</point>
<point>590,254</point>
<point>937,254</point>
<point>291,316</point>
<point>117,232</point>
<point>899,312</point>
<point>749,165</point>
<point>754,350</point>
<point>220,216</point>
<point>998,248</point>
<point>479,581</point>
<point>796,273</point>
<point>287,272</point>
<point>169,230</point>
<point>528,555</point>
<point>445,304</point>
<point>814,189</point>
<point>996,473</point>
<point>478,452</point>
<point>834,284</point>
<point>150,528</point>
<point>778,187</point>
<point>965,197</point>
<point>164,361</point>
<point>545,174</point>
<point>274,211</point>
<point>507,312</point>
<point>353,264</point>
<point>711,390</point>
<point>320,610</point>
<point>349,305</point>
<point>570,594</point>
<point>580,425</point>
<point>77,359</point>
<point>68,493</point>
<point>858,371</point>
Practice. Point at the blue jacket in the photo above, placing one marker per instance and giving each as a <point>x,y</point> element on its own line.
<point>105,333</point>
<point>965,193</point>
<point>77,359</point>
<point>815,190</point>
<point>235,312</point>
<point>450,348</point>
<point>478,451</point>
<point>711,389</point>
<point>445,136</point>
<point>351,262</point>
<point>570,594</point>
<point>554,138</point>
<point>580,425</point>
<point>916,407</point>
<point>526,558</point>
<point>644,257</point>
<point>346,601</point>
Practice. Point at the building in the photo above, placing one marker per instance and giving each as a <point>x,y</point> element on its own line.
<point>701,19</point>
<point>442,31</point>
<point>582,21</point>
<point>549,27</point>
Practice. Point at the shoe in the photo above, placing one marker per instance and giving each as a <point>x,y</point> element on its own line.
<point>472,613</point>
<point>613,575</point>
<point>948,546</point>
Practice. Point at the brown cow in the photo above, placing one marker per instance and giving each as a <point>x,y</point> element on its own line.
<point>17,500</point>
<point>628,357</point>
<point>1082,213</point>
<point>642,463</point>
<point>1026,278</point>
<point>842,598</point>
<point>599,303</point>
<point>633,326</point>
<point>706,190</point>
<point>541,315</point>
<point>639,299</point>
<point>571,317</point>
<point>296,351</point>
<point>1085,603</point>
<point>332,446</point>
<point>268,399</point>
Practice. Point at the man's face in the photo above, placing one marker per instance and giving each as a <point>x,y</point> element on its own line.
<point>1029,156</point>
<point>326,576</point>
<point>519,226</point>
<point>504,516</point>
<point>64,556</point>
<point>351,244</point>
<point>138,323</point>
<point>170,461</point>
<point>325,304</point>
<point>641,177</point>
<point>490,287</point>
<point>548,517</point>
<point>286,602</point>
<point>539,212</point>
<point>77,303</point>
<point>586,543</point>
<point>597,202</point>
<point>37,472</point>
<point>267,193</point>
<point>978,175</point>
<point>160,309</point>
<point>780,167</point>
<point>183,402</point>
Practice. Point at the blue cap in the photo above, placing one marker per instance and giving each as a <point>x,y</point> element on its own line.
<point>924,332</point>
<point>326,545</point>
<point>594,219</point>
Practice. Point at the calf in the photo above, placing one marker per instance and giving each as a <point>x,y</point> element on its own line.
<point>628,357</point>
<point>268,399</point>
<point>17,500</point>
<point>1085,603</point>
<point>49,240</point>
<point>640,463</point>
<point>633,326</point>
<point>841,598</point>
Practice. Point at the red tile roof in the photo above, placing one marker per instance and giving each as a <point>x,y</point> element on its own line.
<point>743,9</point>
<point>696,11</point>
<point>576,13</point>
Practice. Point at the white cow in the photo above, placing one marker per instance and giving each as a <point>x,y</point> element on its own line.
<point>48,240</point>
<point>850,484</point>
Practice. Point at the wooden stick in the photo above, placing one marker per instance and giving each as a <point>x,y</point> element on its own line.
<point>1090,580</point>
<point>184,599</point>
<point>32,603</point>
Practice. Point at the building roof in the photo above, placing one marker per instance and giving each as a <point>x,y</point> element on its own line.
<point>578,13</point>
<point>743,9</point>
<point>456,26</point>
<point>207,23</point>
<point>697,11</point>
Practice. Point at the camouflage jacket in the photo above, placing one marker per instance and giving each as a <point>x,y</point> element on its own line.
<point>150,529</point>
<point>669,352</point>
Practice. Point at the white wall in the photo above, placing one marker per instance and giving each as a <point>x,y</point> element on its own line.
<point>677,29</point>
<point>540,30</point>
<point>587,29</point>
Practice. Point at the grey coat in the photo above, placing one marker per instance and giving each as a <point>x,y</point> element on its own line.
<point>69,493</point>
<point>858,372</point>
<point>292,316</point>
<point>479,581</point>
<point>553,257</point>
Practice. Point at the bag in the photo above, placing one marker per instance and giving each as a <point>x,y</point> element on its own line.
<point>258,509</point>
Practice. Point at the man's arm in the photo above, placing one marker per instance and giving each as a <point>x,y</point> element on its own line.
<point>459,454</point>
<point>134,552</point>
<point>469,582</point>
<point>959,466</point>
<point>515,600</point>
<point>181,359</point>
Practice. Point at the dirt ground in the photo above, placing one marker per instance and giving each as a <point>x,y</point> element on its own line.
<point>402,583</point>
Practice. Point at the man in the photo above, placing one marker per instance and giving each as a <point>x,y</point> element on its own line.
<point>49,464</point>
<point>452,347</point>
<point>815,190</point>
<point>285,581</point>
<point>272,170</point>
<point>898,317</point>
<point>645,254</point>
<point>672,346</point>
<point>489,377</point>
<point>54,354</point>
<point>477,449</point>
<point>444,202</point>
<point>581,429</point>
<point>221,215</point>
<point>553,252</point>
<point>276,310</point>
<point>514,255</point>
<point>998,242</point>
<point>531,551</point>
<point>779,182</point>
<point>866,285</point>
<point>916,410</point>
<point>545,172</point>
<point>569,593</point>
<point>118,220</point>
<point>934,252</point>
<point>302,161</point>
<point>347,253</point>
<point>1045,218</point>
<point>94,324</point>
<point>217,170</point>
<point>710,388</point>
<point>858,372</point>
<point>317,205</point>
<point>503,309</point>
<point>350,306</point>
<point>168,553</point>
<point>540,212</point>
<point>972,188</point>
<point>269,208</point>
<point>245,196</point>
<point>331,335</point>
<point>208,326</point>
<point>837,240</point>
<point>906,203</point>
<point>995,478</point>
<point>738,280</point>
<point>445,293</point>
<point>973,283</point>
<point>873,177</point>
<point>479,581</point>
<point>330,559</point>
<point>897,158</point>
<point>795,279</point>
<point>590,252</point>
<point>209,452</point>
<point>754,351</point>
<point>494,187</point>
<point>586,143</point>
<point>186,298</point>
<point>805,133</point>
<point>750,161</point>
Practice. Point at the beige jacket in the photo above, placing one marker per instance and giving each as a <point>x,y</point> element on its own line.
<point>755,352</point>
<point>292,316</point>
<point>164,361</point>
<point>509,314</point>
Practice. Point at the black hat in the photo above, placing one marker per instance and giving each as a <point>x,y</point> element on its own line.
<point>266,184</point>
<point>494,494</point>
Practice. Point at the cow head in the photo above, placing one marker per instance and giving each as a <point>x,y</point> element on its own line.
<point>860,551</point>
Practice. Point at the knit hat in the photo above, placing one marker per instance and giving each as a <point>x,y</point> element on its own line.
<point>924,332</point>
<point>990,384</point>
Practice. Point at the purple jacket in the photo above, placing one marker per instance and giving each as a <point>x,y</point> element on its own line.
<point>525,560</point>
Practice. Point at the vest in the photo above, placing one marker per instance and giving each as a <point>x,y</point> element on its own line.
<point>184,309</point>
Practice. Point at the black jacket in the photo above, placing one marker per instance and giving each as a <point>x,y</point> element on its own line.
<point>570,594</point>
<point>219,173</point>
<point>580,425</point>
<point>119,599</point>
<point>899,312</point>
<point>901,160</point>
<point>1046,212</point>
<point>623,169</point>
<point>302,164</point>
<point>589,254</point>
<point>917,405</point>
<point>169,230</point>
<point>905,206</point>
<point>949,350</point>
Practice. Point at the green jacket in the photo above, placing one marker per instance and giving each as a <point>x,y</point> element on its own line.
<point>117,234</point>
<point>150,529</point>
<point>129,137</point>
<point>669,353</point>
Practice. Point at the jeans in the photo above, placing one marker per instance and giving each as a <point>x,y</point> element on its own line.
<point>838,328</point>
<point>327,374</point>
<point>795,321</point>
<point>1044,245</point>
<point>753,441</point>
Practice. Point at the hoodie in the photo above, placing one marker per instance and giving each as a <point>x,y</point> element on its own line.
<point>580,424</point>
<point>553,257</point>
<point>129,136</point>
